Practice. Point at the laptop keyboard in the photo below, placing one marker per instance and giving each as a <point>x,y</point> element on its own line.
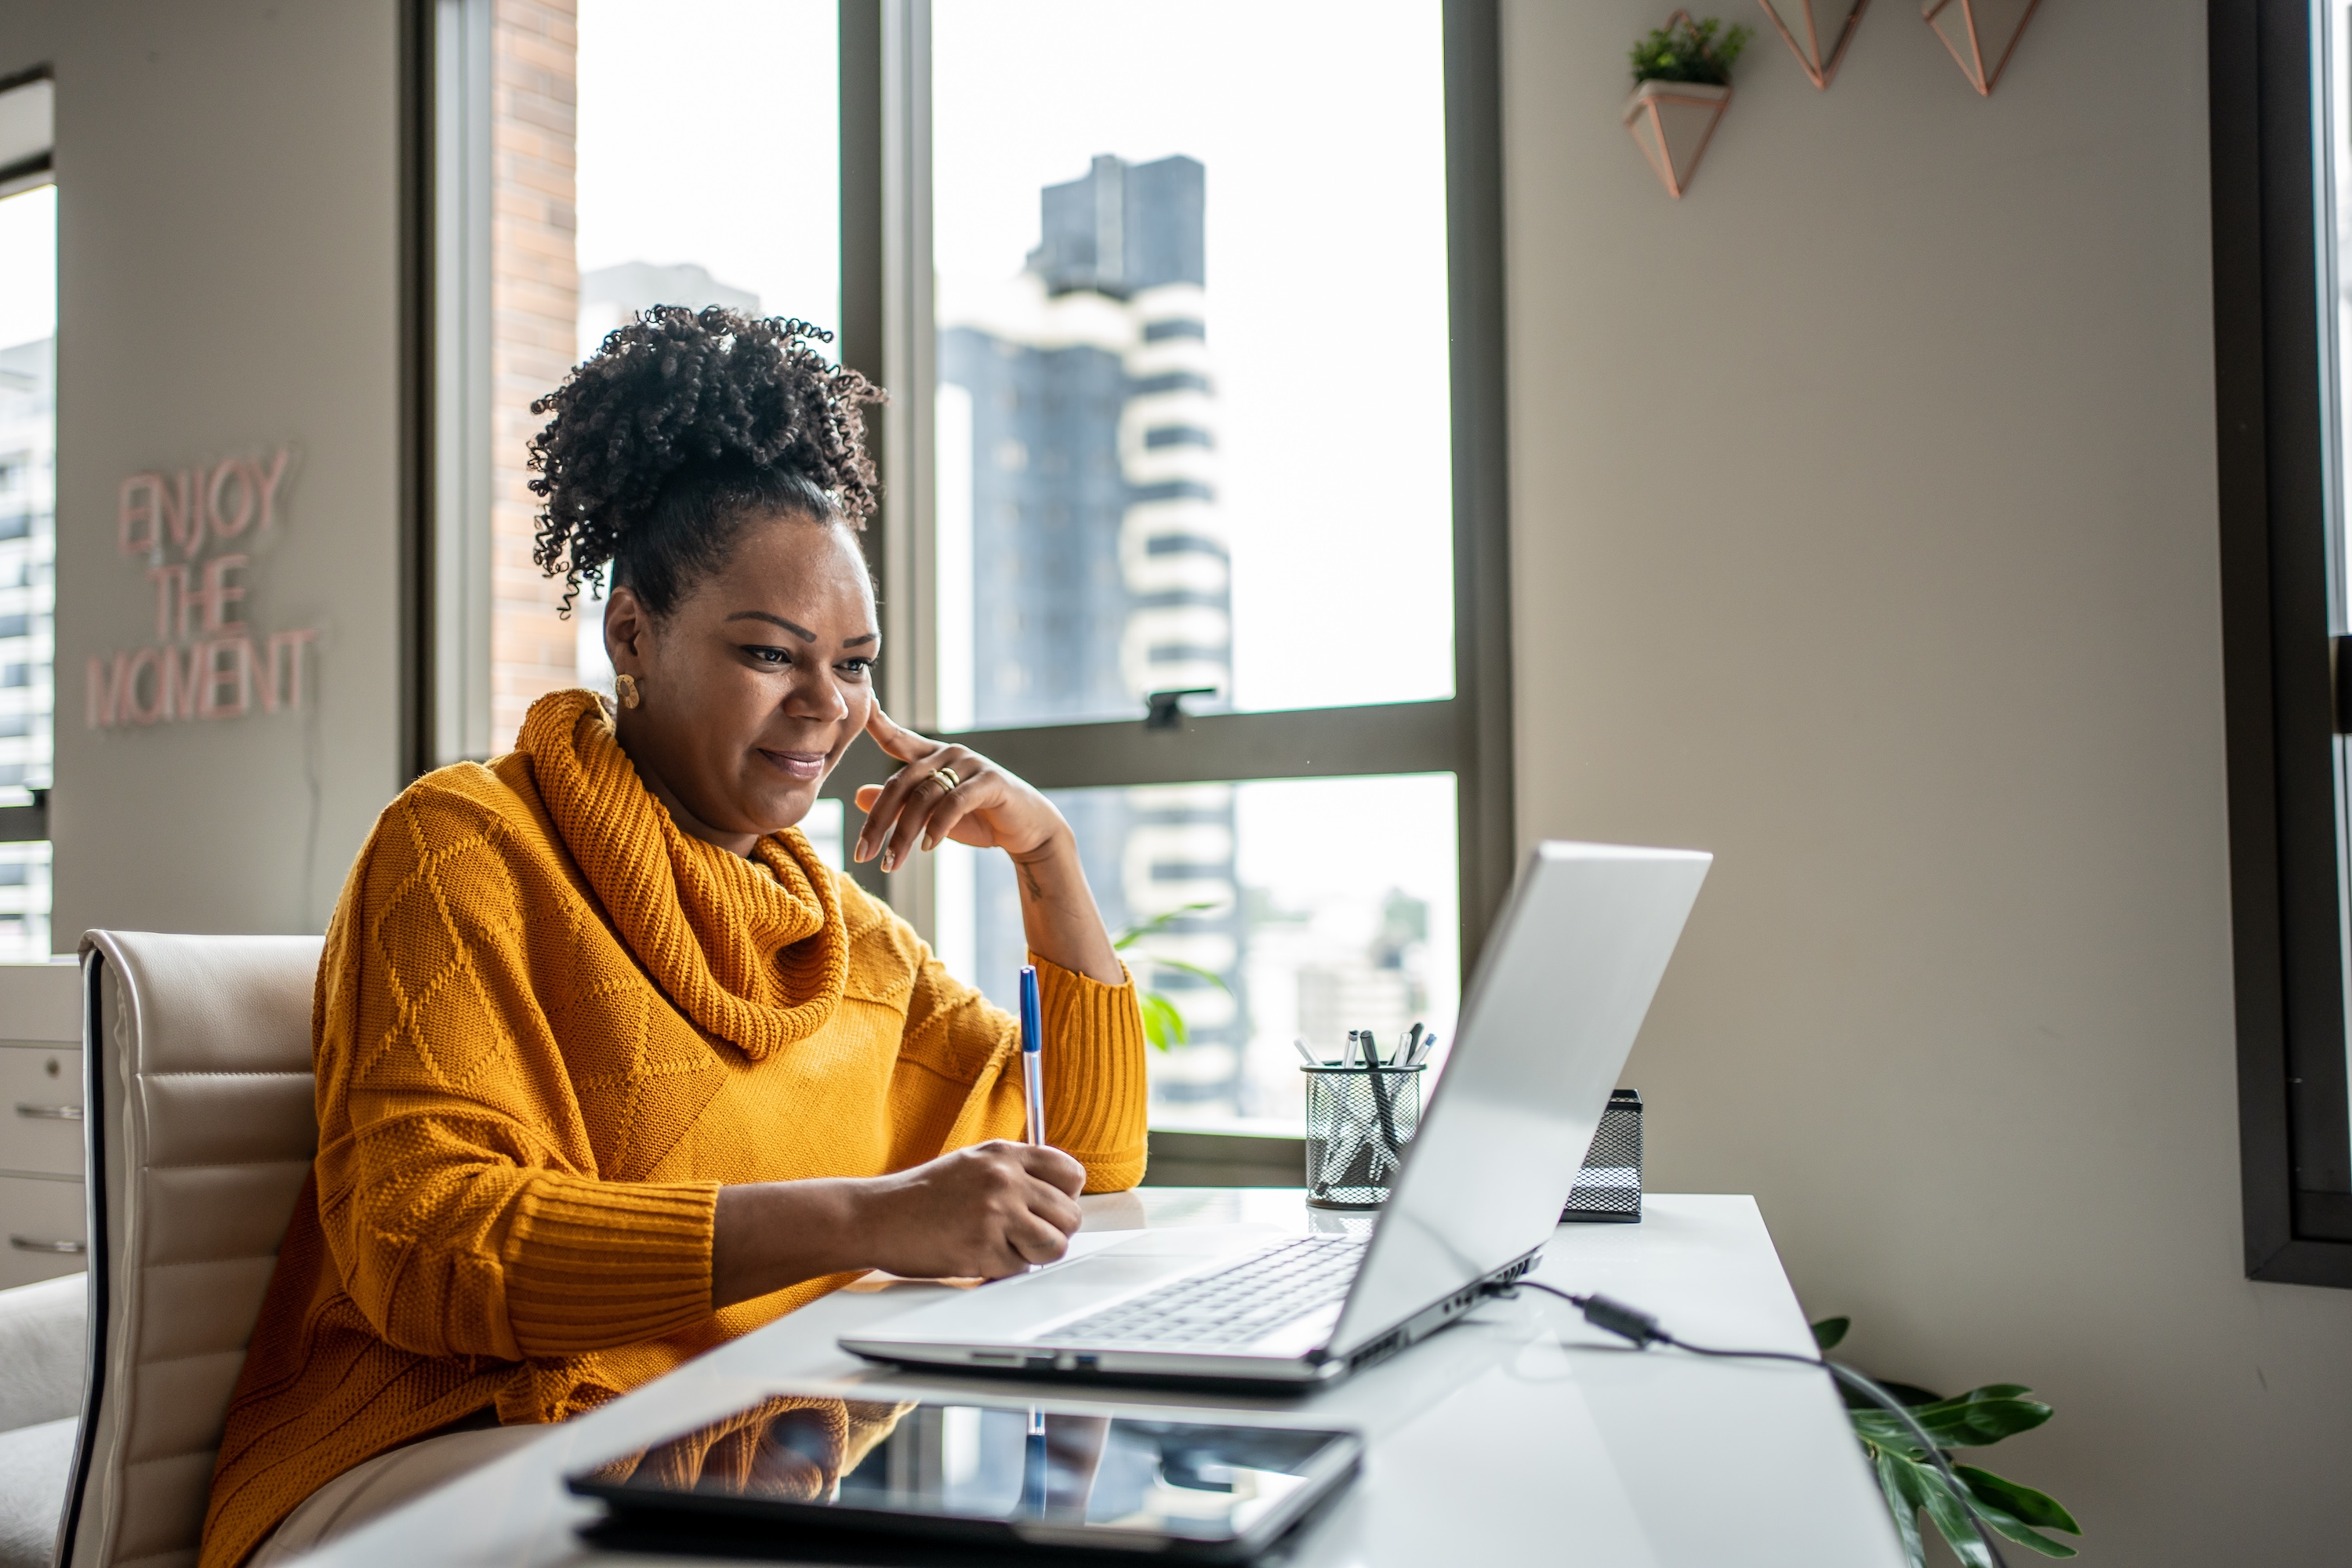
<point>1233,1306</point>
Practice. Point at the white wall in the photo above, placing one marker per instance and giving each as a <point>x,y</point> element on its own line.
<point>1864,510</point>
<point>228,180</point>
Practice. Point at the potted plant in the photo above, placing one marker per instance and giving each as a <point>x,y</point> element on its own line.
<point>1912,1481</point>
<point>1682,83</point>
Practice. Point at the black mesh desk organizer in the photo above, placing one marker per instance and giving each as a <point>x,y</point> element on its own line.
<point>1608,1189</point>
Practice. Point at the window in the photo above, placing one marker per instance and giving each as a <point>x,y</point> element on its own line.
<point>1187,356</point>
<point>584,168</point>
<point>28,322</point>
<point>2281,156</point>
<point>1196,410</point>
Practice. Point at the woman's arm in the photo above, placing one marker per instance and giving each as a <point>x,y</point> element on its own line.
<point>982,1213</point>
<point>979,803</point>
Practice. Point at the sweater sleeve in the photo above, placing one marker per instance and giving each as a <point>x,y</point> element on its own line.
<point>1096,1097</point>
<point>456,1188</point>
<point>959,1042</point>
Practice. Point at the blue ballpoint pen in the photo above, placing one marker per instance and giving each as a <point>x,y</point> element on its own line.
<point>1032,1054</point>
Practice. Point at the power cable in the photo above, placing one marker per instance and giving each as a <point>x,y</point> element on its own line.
<point>1632,1323</point>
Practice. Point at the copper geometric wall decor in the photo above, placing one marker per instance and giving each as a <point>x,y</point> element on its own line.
<point>1817,32</point>
<point>1980,33</point>
<point>1671,122</point>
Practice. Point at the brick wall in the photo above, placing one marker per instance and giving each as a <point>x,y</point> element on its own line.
<point>534,306</point>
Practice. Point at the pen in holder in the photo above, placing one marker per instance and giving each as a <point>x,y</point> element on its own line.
<point>1358,1119</point>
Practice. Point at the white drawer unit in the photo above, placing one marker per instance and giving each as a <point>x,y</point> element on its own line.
<point>41,1001</point>
<point>42,1221</point>
<point>40,1109</point>
<point>42,1229</point>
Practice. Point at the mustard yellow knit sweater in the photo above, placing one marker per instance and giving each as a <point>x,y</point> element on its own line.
<point>548,1026</point>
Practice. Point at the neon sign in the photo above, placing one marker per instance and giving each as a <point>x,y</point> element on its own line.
<point>206,662</point>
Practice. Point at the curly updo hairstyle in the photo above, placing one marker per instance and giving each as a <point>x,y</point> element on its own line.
<point>682,429</point>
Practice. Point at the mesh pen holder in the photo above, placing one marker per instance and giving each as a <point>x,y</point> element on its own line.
<point>1359,1120</point>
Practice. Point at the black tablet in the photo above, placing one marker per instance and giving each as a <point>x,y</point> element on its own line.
<point>798,1475</point>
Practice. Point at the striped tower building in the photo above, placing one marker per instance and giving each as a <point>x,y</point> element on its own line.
<point>1077,455</point>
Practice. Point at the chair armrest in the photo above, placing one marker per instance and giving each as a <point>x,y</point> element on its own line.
<point>44,1338</point>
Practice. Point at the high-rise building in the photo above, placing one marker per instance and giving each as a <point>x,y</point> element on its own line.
<point>28,528</point>
<point>1077,457</point>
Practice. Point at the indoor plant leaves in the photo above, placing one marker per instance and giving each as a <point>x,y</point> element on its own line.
<point>1163,1021</point>
<point>1685,51</point>
<point>1910,1481</point>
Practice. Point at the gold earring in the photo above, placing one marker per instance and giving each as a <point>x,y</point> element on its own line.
<point>626,685</point>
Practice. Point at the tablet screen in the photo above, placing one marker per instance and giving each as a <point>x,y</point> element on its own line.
<point>1041,1472</point>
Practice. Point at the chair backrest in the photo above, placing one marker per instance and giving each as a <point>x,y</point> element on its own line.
<point>201,1125</point>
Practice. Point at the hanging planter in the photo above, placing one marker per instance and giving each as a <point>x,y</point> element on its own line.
<point>1817,32</point>
<point>1980,33</point>
<point>1681,84</point>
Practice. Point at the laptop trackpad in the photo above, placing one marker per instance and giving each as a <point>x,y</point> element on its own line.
<point>1020,1306</point>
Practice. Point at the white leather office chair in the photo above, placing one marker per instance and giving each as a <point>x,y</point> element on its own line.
<point>201,1127</point>
<point>42,1331</point>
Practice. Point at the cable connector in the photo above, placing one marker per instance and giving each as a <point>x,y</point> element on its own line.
<point>1626,1322</point>
<point>1602,1313</point>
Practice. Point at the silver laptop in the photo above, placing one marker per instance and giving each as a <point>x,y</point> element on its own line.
<point>1548,1018</point>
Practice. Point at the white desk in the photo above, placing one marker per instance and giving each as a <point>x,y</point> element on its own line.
<point>1517,1435</point>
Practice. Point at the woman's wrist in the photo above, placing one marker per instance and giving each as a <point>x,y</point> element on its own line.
<point>1058,843</point>
<point>769,1235</point>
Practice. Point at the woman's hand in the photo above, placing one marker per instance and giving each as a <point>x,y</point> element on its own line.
<point>986,807</point>
<point>979,1212</point>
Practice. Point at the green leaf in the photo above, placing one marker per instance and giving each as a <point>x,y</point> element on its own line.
<point>1193,969</point>
<point>2005,1523</point>
<point>1951,1517</point>
<point>1911,1393</point>
<point>1163,1024</point>
<point>1904,1393</point>
<point>2033,1540</point>
<point>1899,1478</point>
<point>1160,923</point>
<point>1883,1431</point>
<point>2020,1502</point>
<point>1969,1422</point>
<point>1830,1330</point>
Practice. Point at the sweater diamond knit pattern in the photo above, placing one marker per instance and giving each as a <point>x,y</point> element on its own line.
<point>548,1027</point>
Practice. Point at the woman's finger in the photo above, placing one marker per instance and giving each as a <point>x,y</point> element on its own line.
<point>901,743</point>
<point>1035,1239</point>
<point>1058,1168</point>
<point>882,811</point>
<point>925,797</point>
<point>1049,1203</point>
<point>950,814</point>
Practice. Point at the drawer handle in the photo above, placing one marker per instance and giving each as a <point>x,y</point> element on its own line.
<point>50,1113</point>
<point>34,1244</point>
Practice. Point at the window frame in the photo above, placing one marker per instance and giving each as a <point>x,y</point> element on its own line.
<point>2286,685</point>
<point>888,333</point>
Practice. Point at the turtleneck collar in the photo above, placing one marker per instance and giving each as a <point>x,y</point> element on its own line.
<point>756,958</point>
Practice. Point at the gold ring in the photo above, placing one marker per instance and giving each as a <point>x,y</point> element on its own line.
<point>953,777</point>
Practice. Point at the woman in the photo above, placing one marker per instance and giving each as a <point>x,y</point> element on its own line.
<point>611,1066</point>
